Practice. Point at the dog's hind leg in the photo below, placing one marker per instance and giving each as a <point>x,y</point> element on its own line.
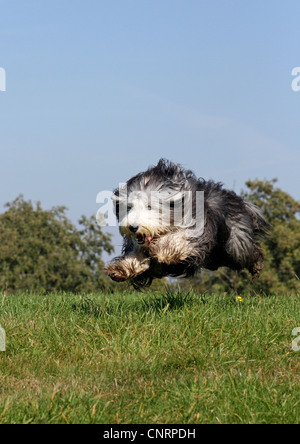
<point>257,263</point>
<point>242,248</point>
<point>239,245</point>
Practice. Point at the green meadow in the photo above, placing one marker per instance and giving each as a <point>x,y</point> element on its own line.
<point>154,358</point>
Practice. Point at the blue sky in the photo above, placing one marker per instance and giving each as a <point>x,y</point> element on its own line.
<point>98,90</point>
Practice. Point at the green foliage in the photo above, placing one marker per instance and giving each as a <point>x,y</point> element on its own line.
<point>281,273</point>
<point>282,248</point>
<point>43,250</point>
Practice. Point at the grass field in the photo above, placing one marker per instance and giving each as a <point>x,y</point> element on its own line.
<point>149,358</point>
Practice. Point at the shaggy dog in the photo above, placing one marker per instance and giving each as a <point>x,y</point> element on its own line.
<point>173,224</point>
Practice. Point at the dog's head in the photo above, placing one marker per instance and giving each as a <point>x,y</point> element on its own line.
<point>155,202</point>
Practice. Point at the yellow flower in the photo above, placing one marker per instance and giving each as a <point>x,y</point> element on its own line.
<point>239,299</point>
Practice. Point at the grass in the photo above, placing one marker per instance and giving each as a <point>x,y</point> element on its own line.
<point>144,358</point>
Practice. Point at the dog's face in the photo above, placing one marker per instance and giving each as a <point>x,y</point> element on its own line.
<point>144,215</point>
<point>155,203</point>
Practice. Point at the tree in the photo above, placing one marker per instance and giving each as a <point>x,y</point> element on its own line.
<point>281,272</point>
<point>43,251</point>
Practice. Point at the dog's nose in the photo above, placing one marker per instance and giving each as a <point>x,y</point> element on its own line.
<point>133,229</point>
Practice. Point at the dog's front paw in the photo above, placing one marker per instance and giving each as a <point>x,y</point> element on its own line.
<point>116,272</point>
<point>127,268</point>
<point>171,249</point>
<point>167,258</point>
<point>164,253</point>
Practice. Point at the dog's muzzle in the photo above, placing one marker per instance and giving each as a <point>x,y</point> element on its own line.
<point>143,239</point>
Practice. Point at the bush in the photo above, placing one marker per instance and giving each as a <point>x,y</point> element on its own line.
<point>43,251</point>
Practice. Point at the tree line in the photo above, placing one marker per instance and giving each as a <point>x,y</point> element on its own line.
<point>41,250</point>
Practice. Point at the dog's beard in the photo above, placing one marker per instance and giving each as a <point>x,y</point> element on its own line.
<point>145,236</point>
<point>144,217</point>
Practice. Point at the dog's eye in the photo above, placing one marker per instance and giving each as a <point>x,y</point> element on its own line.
<point>129,207</point>
<point>149,207</point>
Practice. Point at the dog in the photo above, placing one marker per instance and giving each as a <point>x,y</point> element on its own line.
<point>165,234</point>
